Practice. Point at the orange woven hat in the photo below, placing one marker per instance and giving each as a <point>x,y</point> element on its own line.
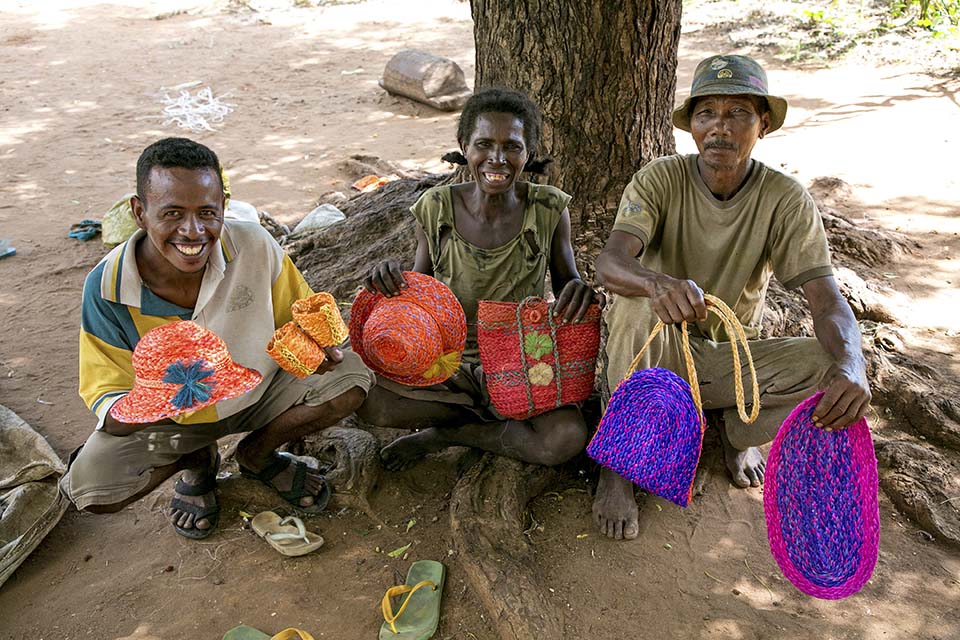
<point>181,367</point>
<point>415,338</point>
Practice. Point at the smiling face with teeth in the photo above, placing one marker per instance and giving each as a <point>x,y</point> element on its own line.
<point>182,213</point>
<point>496,152</point>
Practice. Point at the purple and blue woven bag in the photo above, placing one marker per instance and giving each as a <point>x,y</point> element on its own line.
<point>652,430</point>
<point>651,434</point>
<point>820,502</point>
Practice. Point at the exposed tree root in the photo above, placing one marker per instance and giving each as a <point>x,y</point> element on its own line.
<point>924,484</point>
<point>487,513</point>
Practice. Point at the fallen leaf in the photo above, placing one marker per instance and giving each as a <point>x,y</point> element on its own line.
<point>410,524</point>
<point>399,552</point>
<point>244,514</point>
<point>581,536</point>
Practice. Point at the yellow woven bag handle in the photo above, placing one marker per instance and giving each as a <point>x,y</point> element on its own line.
<point>736,334</point>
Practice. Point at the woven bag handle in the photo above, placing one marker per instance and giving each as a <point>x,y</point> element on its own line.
<point>737,335</point>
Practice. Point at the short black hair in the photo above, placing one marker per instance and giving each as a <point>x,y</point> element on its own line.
<point>501,100</point>
<point>174,152</point>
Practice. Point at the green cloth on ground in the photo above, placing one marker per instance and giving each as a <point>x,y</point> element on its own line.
<point>118,223</point>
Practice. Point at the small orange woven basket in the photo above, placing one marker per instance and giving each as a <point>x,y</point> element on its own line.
<point>531,363</point>
<point>295,351</point>
<point>320,318</point>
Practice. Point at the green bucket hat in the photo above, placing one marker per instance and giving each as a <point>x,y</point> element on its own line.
<point>726,76</point>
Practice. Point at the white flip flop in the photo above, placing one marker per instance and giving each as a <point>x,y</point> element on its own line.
<point>287,535</point>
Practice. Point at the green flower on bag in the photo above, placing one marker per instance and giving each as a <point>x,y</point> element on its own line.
<point>536,345</point>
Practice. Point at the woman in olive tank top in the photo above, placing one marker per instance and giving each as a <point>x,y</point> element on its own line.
<point>492,238</point>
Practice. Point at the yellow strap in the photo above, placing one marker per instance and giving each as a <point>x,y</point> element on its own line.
<point>293,360</point>
<point>289,634</point>
<point>393,592</point>
<point>737,335</point>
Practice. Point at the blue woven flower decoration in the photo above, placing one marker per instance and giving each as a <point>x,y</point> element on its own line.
<point>191,376</point>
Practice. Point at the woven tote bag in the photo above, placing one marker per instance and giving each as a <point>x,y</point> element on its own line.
<point>820,503</point>
<point>531,363</point>
<point>651,432</point>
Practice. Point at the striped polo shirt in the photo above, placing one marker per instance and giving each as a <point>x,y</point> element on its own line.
<point>246,293</point>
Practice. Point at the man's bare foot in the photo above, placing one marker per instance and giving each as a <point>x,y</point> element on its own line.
<point>406,451</point>
<point>746,466</point>
<point>205,473</point>
<point>615,509</point>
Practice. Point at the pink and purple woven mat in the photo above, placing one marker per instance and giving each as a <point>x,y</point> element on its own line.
<point>651,434</point>
<point>820,502</point>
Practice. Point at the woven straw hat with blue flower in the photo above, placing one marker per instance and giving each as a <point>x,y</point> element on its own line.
<point>180,368</point>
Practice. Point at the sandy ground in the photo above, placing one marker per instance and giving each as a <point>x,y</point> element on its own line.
<point>79,91</point>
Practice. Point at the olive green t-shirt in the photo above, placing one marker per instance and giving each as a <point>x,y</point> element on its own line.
<point>510,272</point>
<point>729,248</point>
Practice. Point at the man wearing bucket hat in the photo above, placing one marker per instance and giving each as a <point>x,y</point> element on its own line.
<point>721,222</point>
<point>206,295</point>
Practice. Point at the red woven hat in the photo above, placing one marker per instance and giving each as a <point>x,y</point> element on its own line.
<point>415,338</point>
<point>181,367</point>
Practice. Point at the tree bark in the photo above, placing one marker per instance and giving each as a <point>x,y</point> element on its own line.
<point>603,73</point>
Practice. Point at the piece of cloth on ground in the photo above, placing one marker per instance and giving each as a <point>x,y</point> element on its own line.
<point>30,505</point>
<point>788,369</point>
<point>109,469</point>
<point>85,230</point>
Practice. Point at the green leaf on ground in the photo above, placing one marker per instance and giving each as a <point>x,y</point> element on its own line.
<point>396,553</point>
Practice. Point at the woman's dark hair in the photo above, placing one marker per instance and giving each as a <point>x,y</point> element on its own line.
<point>502,100</point>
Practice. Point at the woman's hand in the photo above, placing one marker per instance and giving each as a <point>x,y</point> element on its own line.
<point>574,300</point>
<point>385,278</point>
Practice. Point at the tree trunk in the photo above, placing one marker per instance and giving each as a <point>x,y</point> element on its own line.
<point>603,73</point>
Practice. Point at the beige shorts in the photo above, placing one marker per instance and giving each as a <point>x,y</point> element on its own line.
<point>108,469</point>
<point>789,370</point>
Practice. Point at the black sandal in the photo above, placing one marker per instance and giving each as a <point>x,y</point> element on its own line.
<point>282,461</point>
<point>211,514</point>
